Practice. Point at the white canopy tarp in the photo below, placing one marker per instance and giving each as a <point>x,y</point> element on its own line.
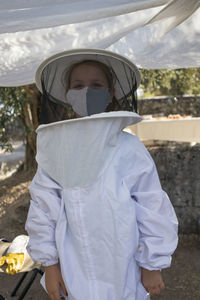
<point>152,33</point>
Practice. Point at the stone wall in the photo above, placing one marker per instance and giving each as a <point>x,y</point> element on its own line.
<point>187,105</point>
<point>178,166</point>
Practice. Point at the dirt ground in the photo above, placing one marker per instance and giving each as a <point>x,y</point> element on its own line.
<point>182,280</point>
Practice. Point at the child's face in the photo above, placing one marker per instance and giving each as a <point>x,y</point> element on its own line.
<point>88,76</point>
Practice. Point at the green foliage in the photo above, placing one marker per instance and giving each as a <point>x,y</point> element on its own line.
<point>170,82</point>
<point>12,100</point>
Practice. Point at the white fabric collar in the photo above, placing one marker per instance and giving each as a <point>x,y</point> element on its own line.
<point>75,152</point>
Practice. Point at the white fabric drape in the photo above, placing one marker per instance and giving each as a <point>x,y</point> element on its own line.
<point>152,33</point>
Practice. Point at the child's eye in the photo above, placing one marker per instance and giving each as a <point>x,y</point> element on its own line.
<point>78,87</point>
<point>97,85</point>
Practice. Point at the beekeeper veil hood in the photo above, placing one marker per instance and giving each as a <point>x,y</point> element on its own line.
<point>52,79</point>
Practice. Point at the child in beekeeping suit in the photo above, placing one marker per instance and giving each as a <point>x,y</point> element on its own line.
<point>99,221</point>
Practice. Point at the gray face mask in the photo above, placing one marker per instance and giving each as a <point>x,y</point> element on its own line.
<point>88,101</point>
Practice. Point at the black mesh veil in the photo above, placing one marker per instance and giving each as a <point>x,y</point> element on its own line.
<point>128,101</point>
<point>54,78</point>
<point>53,110</point>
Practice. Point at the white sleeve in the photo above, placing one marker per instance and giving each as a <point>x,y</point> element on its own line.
<point>42,217</point>
<point>156,218</point>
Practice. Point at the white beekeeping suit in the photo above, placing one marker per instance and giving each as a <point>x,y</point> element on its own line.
<point>97,205</point>
<point>99,208</point>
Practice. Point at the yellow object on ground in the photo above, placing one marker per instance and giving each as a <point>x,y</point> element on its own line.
<point>14,262</point>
